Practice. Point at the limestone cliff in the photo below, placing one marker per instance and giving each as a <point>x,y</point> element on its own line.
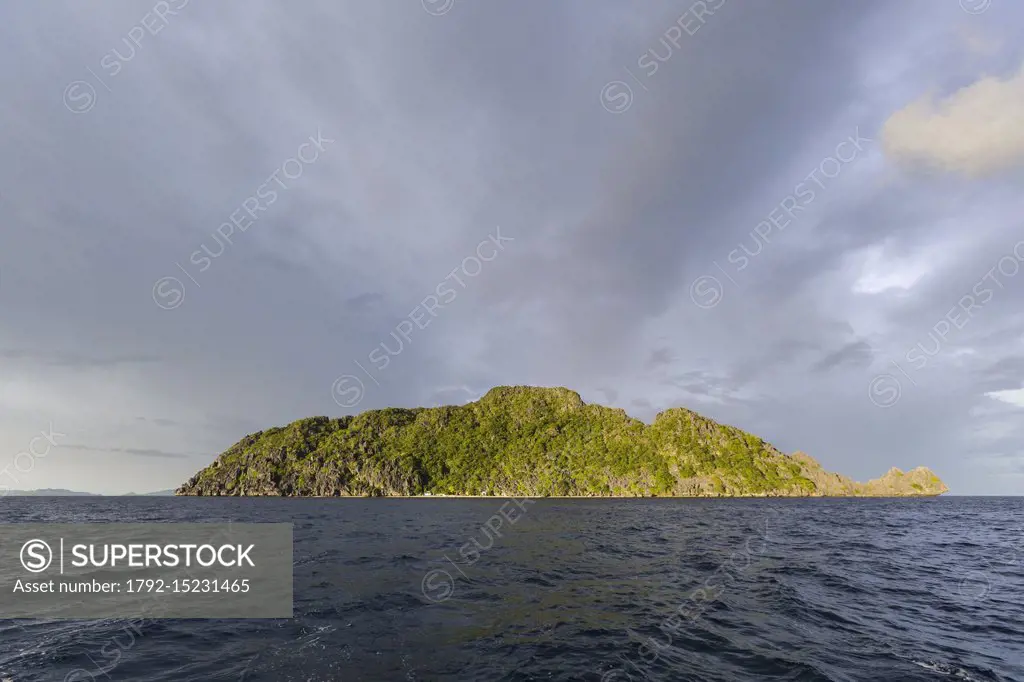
<point>526,441</point>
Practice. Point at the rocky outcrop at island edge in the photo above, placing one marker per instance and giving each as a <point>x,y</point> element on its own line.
<point>918,482</point>
<point>527,441</point>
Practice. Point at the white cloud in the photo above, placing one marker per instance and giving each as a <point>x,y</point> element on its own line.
<point>977,130</point>
<point>880,274</point>
<point>1014,397</point>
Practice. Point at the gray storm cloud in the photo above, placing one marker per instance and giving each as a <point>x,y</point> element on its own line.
<point>135,131</point>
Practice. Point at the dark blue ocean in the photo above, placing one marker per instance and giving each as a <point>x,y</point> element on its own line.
<point>613,590</point>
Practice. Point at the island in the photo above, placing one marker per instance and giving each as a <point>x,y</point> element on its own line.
<point>524,441</point>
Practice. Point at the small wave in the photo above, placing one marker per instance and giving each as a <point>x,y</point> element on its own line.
<point>948,670</point>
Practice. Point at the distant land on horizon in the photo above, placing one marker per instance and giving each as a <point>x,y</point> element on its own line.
<point>524,441</point>
<point>63,492</point>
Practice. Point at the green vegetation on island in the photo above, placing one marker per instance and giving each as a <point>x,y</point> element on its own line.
<point>525,441</point>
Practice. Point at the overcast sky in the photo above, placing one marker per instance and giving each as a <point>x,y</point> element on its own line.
<point>769,213</point>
